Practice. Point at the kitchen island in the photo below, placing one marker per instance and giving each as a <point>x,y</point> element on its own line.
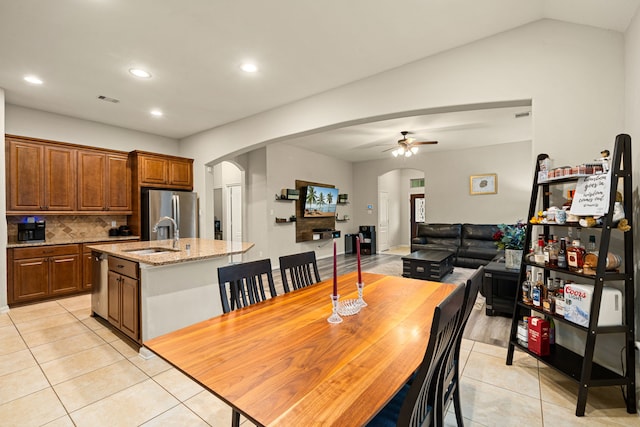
<point>147,289</point>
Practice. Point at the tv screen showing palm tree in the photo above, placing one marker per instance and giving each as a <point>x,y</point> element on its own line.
<point>320,202</point>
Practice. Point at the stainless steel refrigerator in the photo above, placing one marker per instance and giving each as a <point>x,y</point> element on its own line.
<point>182,206</point>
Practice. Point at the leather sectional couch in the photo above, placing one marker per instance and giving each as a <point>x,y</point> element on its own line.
<point>472,244</point>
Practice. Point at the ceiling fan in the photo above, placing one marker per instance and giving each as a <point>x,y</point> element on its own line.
<point>408,146</point>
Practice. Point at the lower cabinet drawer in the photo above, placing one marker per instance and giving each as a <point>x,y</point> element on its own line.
<point>124,267</point>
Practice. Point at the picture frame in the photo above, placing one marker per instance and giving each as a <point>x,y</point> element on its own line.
<point>483,184</point>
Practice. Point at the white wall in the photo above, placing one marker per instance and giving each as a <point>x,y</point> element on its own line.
<point>447,183</point>
<point>41,124</point>
<point>285,165</point>
<point>573,74</point>
<point>3,213</point>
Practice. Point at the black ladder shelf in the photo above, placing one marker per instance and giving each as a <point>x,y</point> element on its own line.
<point>581,367</point>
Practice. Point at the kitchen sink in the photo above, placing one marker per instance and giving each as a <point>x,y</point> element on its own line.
<point>151,251</point>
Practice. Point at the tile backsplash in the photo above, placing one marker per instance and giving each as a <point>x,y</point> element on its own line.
<point>69,226</point>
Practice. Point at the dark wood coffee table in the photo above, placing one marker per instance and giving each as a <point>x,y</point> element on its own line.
<point>427,265</point>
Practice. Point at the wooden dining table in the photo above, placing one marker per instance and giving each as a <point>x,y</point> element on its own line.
<point>279,362</point>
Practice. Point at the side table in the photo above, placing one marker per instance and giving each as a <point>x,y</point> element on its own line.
<point>500,287</point>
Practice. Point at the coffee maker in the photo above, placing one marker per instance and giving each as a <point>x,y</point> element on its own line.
<point>31,231</point>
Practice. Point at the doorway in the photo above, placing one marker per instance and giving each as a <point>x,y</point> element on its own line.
<point>234,214</point>
<point>417,202</point>
<point>394,213</point>
<point>383,221</point>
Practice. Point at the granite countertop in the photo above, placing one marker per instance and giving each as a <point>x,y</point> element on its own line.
<point>199,249</point>
<point>71,240</point>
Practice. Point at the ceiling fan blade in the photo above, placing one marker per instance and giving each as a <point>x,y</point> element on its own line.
<point>424,142</point>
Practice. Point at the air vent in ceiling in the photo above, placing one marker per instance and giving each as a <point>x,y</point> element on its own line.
<point>525,114</point>
<point>106,98</point>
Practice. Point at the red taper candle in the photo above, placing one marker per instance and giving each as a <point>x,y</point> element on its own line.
<point>358,252</point>
<point>335,271</point>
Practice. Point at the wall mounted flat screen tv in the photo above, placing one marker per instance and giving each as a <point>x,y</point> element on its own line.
<point>320,202</point>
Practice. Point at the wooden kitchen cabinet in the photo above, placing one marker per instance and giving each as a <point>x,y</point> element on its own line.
<point>181,173</point>
<point>156,170</point>
<point>104,182</point>
<point>123,306</point>
<point>41,272</point>
<point>41,177</point>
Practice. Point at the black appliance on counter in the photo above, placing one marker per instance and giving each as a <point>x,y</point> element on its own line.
<point>31,231</point>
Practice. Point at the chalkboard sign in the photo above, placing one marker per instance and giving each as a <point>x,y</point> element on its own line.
<point>592,195</point>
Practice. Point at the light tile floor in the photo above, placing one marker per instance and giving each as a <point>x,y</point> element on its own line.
<point>61,367</point>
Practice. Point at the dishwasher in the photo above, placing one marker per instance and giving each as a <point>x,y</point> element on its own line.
<point>99,285</point>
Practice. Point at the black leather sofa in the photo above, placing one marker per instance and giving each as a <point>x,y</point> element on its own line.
<point>472,244</point>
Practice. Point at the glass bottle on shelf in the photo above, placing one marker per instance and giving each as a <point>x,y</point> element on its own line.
<point>553,252</point>
<point>562,254</point>
<point>536,293</point>
<point>575,256</point>
<point>526,289</point>
<point>538,253</point>
<point>548,301</point>
<point>591,246</point>
<point>523,332</point>
<point>546,250</point>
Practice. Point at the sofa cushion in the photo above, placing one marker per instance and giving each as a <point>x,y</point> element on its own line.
<point>479,231</point>
<point>440,234</point>
<point>477,241</point>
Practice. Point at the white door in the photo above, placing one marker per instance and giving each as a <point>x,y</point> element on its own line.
<point>235,215</point>
<point>383,221</point>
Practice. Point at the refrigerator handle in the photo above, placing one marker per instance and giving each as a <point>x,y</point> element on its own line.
<point>176,208</point>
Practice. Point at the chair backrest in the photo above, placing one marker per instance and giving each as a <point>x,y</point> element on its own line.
<point>417,407</point>
<point>450,367</point>
<point>301,269</point>
<point>243,284</point>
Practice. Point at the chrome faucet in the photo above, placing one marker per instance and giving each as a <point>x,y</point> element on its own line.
<point>176,232</point>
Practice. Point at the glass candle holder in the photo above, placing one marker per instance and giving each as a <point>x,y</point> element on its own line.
<point>361,301</point>
<point>335,317</point>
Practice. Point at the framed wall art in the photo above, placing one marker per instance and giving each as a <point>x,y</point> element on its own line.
<point>483,184</point>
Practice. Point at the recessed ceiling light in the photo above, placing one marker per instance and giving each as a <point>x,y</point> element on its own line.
<point>249,68</point>
<point>140,73</point>
<point>156,113</point>
<point>33,80</point>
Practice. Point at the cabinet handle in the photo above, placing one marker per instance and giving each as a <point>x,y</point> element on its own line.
<point>120,266</point>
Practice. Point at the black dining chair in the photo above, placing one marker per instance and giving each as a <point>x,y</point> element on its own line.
<point>449,389</point>
<point>299,269</point>
<point>243,284</point>
<point>414,404</point>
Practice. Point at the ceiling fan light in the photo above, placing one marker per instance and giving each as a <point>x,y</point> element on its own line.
<point>414,150</point>
<point>407,153</point>
<point>395,153</point>
<point>401,151</point>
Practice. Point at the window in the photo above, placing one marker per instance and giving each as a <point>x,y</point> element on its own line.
<point>417,182</point>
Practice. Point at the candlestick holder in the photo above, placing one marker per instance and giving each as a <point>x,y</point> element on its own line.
<point>335,317</point>
<point>361,301</point>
